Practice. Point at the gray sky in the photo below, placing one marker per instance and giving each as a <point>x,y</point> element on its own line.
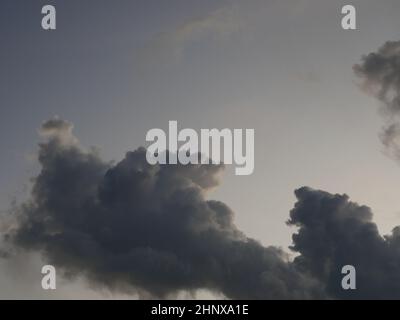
<point>116,69</point>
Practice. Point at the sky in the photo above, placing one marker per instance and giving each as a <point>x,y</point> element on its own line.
<point>116,69</point>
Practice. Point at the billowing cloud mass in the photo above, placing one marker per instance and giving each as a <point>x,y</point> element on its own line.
<point>134,227</point>
<point>334,232</point>
<point>380,72</point>
<point>149,229</point>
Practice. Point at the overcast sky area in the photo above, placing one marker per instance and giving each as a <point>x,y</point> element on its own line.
<point>116,69</point>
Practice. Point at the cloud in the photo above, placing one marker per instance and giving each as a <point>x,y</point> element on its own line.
<point>334,232</point>
<point>217,24</point>
<point>136,228</point>
<point>380,72</point>
<point>59,131</point>
<point>132,227</point>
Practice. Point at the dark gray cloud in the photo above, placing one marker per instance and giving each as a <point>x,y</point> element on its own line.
<point>334,232</point>
<point>134,227</point>
<point>380,72</point>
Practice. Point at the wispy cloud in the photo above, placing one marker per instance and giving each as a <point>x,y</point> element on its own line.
<point>170,45</point>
